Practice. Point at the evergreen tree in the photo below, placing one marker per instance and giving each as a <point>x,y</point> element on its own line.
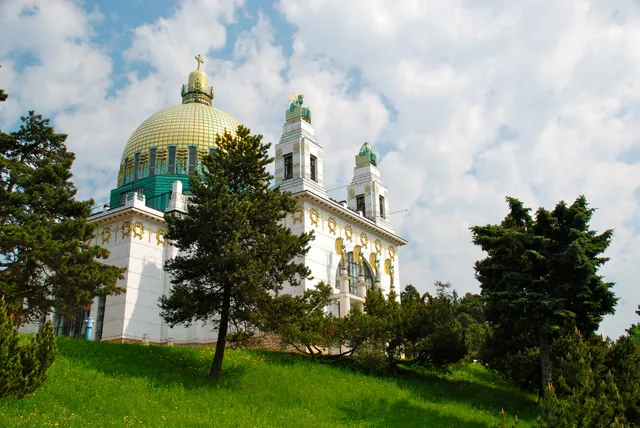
<point>234,251</point>
<point>10,364</point>
<point>542,273</point>
<point>46,259</point>
<point>23,366</point>
<point>591,402</point>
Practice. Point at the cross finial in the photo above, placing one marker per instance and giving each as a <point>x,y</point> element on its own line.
<point>200,60</point>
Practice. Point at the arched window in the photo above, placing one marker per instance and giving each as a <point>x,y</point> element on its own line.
<point>353,270</point>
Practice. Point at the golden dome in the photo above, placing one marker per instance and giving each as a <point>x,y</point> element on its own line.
<point>184,125</point>
<point>165,138</point>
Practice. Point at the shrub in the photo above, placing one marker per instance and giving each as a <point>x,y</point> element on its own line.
<point>23,366</point>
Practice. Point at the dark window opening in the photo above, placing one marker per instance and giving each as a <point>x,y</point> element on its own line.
<point>360,203</point>
<point>193,159</point>
<point>353,270</point>
<point>136,165</point>
<point>126,171</point>
<point>314,163</point>
<point>152,162</point>
<point>288,166</point>
<point>212,151</point>
<point>382,213</point>
<point>172,160</point>
<point>102,300</point>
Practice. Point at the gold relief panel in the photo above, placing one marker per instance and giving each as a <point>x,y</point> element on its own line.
<point>306,147</point>
<point>279,151</point>
<point>296,174</point>
<point>105,234</point>
<point>364,239</point>
<point>138,229</point>
<point>367,188</point>
<point>125,229</point>
<point>307,174</point>
<point>348,232</point>
<point>386,193</point>
<point>314,215</point>
<point>379,246</point>
<point>319,155</point>
<point>161,237</point>
<point>298,215</point>
<point>333,225</point>
<point>352,193</point>
<point>392,252</point>
<point>296,147</point>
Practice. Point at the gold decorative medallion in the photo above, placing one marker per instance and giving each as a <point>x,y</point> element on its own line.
<point>378,246</point>
<point>333,225</point>
<point>106,235</point>
<point>348,232</point>
<point>161,237</point>
<point>364,239</point>
<point>392,252</point>
<point>138,229</point>
<point>126,229</point>
<point>298,215</point>
<point>314,215</point>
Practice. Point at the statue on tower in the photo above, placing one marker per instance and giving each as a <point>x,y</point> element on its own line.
<point>296,108</point>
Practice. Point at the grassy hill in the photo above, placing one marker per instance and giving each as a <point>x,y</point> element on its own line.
<point>97,384</point>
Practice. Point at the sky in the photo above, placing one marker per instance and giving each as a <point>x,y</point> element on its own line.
<point>465,102</point>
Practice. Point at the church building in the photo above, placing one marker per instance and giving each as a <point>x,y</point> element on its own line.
<point>355,246</point>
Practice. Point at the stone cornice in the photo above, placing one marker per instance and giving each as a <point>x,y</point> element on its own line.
<point>354,217</point>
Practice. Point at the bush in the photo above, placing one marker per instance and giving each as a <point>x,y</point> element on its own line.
<point>23,367</point>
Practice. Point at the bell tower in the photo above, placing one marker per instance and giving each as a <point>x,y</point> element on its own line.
<point>367,193</point>
<point>298,155</point>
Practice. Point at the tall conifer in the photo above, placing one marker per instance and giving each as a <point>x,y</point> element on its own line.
<point>234,251</point>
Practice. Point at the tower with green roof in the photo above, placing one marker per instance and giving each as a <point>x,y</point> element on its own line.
<point>367,193</point>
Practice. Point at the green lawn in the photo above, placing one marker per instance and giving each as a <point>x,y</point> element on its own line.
<point>97,384</point>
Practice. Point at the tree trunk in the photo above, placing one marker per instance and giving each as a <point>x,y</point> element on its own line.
<point>216,366</point>
<point>545,361</point>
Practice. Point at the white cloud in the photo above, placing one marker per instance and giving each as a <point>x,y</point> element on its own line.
<point>535,100</point>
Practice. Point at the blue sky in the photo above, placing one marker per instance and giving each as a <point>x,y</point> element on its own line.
<point>465,102</point>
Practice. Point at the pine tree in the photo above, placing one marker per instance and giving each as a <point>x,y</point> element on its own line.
<point>235,253</point>
<point>10,364</point>
<point>542,274</point>
<point>591,402</point>
<point>46,258</point>
<point>23,366</point>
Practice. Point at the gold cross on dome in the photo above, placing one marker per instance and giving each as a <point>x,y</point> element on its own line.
<point>200,60</point>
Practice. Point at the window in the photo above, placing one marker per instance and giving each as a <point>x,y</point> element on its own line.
<point>288,166</point>
<point>152,162</point>
<point>360,203</point>
<point>314,163</point>
<point>136,165</point>
<point>193,158</point>
<point>172,160</point>
<point>382,213</point>
<point>126,171</point>
<point>212,150</point>
<point>353,270</point>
